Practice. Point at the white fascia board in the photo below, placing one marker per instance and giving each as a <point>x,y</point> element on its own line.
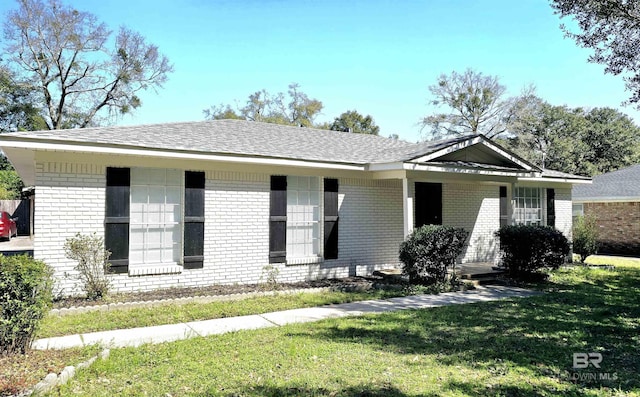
<point>606,200</point>
<point>461,170</point>
<point>52,146</point>
<point>556,180</point>
<point>411,166</point>
<point>386,166</point>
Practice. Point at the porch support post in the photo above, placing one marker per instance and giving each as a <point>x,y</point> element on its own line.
<point>407,208</point>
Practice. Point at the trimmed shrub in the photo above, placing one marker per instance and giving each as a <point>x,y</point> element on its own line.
<point>93,263</point>
<point>429,251</point>
<point>585,236</point>
<point>526,249</point>
<point>25,297</point>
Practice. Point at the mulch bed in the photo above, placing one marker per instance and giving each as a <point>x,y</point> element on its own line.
<point>343,284</point>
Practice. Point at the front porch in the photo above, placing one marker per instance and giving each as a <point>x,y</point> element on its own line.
<point>476,272</point>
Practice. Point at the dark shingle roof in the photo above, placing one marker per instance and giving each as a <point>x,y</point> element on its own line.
<point>621,184</point>
<point>248,138</point>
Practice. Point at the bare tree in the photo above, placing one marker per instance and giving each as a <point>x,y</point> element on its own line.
<point>476,103</point>
<point>298,109</point>
<point>81,74</point>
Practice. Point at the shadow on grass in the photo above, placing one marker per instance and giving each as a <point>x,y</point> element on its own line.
<point>353,391</point>
<point>391,391</point>
<point>540,334</point>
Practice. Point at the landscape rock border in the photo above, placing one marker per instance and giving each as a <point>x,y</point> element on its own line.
<point>188,299</point>
<point>53,380</point>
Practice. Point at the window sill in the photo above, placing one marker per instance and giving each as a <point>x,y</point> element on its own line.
<point>149,269</point>
<point>308,260</point>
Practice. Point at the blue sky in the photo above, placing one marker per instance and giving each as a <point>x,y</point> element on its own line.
<point>377,57</point>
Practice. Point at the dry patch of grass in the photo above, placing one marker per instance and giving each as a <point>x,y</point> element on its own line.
<point>22,371</point>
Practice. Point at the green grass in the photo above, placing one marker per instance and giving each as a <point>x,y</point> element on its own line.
<point>613,260</point>
<point>54,325</point>
<point>519,347</point>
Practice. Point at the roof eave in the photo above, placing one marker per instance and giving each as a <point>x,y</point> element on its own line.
<point>52,145</point>
<point>574,181</point>
<point>426,167</point>
<point>609,199</point>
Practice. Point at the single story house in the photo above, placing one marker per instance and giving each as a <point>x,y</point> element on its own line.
<point>614,200</point>
<point>219,202</point>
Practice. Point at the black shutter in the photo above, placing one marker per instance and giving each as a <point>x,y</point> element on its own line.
<point>330,218</point>
<point>551,207</point>
<point>116,221</point>
<point>278,220</point>
<point>504,206</point>
<point>193,220</point>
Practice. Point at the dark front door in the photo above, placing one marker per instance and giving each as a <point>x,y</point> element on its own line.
<point>428,204</point>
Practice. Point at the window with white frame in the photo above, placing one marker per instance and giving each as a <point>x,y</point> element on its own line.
<point>577,209</point>
<point>528,205</point>
<point>303,217</point>
<point>155,216</point>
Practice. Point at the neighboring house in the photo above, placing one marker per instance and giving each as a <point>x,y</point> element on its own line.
<point>614,200</point>
<point>216,202</point>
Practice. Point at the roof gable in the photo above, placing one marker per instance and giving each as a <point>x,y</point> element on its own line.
<point>476,150</point>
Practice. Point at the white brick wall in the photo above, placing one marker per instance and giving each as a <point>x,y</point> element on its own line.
<point>564,220</point>
<point>70,199</point>
<point>475,208</point>
<point>370,231</point>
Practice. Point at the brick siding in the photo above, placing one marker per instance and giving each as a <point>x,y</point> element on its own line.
<point>475,208</point>
<point>618,226</point>
<point>70,199</point>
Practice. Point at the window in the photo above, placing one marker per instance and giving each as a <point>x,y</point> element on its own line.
<point>303,218</point>
<point>577,210</point>
<point>156,217</point>
<point>299,216</point>
<point>528,206</point>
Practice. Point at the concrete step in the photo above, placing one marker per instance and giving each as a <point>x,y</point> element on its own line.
<point>475,276</point>
<point>484,281</point>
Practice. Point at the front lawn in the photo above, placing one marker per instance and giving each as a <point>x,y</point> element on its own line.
<point>506,348</point>
<point>172,313</point>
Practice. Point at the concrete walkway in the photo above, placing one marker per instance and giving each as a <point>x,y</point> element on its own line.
<point>173,332</point>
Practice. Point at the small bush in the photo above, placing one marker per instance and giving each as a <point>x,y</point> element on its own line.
<point>25,297</point>
<point>585,236</point>
<point>429,251</point>
<point>269,277</point>
<point>526,249</point>
<point>93,263</point>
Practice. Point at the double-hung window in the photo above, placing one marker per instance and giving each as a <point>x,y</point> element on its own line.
<point>528,205</point>
<point>303,218</point>
<point>156,217</point>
